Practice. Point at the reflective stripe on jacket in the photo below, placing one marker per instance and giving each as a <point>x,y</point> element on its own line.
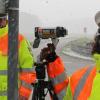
<point>25,64</point>
<point>81,83</point>
<point>58,77</point>
<point>26,79</point>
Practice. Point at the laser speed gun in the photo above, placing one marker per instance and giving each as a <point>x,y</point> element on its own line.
<point>46,33</point>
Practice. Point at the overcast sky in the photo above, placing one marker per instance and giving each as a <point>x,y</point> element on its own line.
<point>72,14</point>
<point>54,10</point>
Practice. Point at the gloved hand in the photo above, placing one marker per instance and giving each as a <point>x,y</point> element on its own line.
<point>48,53</point>
<point>51,57</point>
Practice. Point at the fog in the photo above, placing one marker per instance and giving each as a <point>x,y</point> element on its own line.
<point>76,15</point>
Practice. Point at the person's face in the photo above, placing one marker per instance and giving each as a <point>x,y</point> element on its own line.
<point>3,22</point>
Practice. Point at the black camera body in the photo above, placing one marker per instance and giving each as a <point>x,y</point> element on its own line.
<point>46,33</point>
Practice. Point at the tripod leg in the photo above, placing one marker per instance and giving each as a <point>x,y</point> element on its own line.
<point>38,91</point>
<point>41,95</point>
<point>35,93</point>
<point>53,95</point>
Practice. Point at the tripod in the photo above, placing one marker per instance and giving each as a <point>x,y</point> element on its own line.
<point>41,84</point>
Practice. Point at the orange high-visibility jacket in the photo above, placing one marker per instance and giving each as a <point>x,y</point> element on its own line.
<point>58,77</point>
<point>26,61</point>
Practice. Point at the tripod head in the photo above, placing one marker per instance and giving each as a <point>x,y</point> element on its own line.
<point>40,70</point>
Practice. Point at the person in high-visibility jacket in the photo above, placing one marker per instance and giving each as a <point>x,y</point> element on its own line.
<point>56,71</point>
<point>84,84</point>
<point>25,65</point>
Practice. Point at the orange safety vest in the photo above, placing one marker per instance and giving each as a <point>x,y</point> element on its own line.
<point>58,77</point>
<point>27,77</point>
<point>81,83</point>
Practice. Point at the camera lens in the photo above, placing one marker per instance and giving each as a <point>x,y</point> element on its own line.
<point>61,32</point>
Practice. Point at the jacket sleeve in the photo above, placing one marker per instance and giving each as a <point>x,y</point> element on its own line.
<point>26,67</point>
<point>58,77</point>
<point>26,59</point>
